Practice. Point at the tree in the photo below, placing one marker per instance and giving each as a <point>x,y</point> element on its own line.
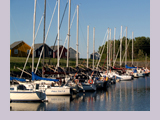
<point>140,54</point>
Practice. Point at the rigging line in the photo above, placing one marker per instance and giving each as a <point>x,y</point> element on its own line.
<point>67,36</point>
<point>31,46</point>
<point>39,6</point>
<point>15,26</point>
<point>116,57</point>
<point>126,50</point>
<point>46,37</point>
<point>100,52</point>
<point>60,24</point>
<point>49,7</point>
<point>117,53</point>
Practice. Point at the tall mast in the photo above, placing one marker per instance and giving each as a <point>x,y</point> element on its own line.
<point>34,19</point>
<point>107,49</point>
<point>93,45</point>
<point>77,34</point>
<point>120,46</point>
<point>110,49</point>
<point>87,43</point>
<point>132,48</point>
<point>58,34</point>
<point>114,44</point>
<point>44,37</point>
<point>69,13</point>
<point>126,48</point>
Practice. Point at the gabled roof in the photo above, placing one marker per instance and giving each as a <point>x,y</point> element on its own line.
<point>55,47</point>
<point>73,49</point>
<point>95,53</point>
<point>15,44</point>
<point>38,45</point>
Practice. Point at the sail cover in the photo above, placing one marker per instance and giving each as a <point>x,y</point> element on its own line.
<point>35,77</point>
<point>126,66</point>
<point>18,79</point>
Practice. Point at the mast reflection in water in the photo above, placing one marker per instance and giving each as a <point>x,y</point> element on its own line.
<point>131,95</point>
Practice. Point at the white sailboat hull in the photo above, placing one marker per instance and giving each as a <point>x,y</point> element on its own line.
<point>58,91</point>
<point>26,95</point>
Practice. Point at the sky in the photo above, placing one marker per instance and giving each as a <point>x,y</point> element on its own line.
<point>101,14</point>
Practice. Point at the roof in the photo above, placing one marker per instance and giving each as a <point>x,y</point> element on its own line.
<point>95,53</point>
<point>38,45</point>
<point>55,47</point>
<point>15,44</point>
<point>73,49</point>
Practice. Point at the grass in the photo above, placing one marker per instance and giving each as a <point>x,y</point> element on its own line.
<point>20,61</point>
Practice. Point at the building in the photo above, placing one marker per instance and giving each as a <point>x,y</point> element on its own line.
<point>19,49</point>
<point>73,52</point>
<point>64,53</point>
<point>96,56</point>
<point>47,49</point>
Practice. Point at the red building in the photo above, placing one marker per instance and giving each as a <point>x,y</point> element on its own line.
<point>64,53</point>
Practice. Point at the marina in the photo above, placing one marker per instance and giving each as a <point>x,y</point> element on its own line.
<point>106,81</point>
<point>131,95</point>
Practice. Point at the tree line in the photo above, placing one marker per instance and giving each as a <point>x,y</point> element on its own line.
<point>141,48</point>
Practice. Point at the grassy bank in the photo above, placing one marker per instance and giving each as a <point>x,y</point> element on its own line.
<point>20,61</point>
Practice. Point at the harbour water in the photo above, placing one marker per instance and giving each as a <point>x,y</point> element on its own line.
<point>131,95</point>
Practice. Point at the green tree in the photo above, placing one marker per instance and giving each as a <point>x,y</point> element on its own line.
<point>140,53</point>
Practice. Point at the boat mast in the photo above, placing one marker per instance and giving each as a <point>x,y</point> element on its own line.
<point>126,48</point>
<point>69,13</point>
<point>77,34</point>
<point>34,19</point>
<point>120,46</point>
<point>58,34</point>
<point>110,49</point>
<point>107,49</point>
<point>114,44</point>
<point>132,48</point>
<point>93,45</point>
<point>44,37</point>
<point>87,43</point>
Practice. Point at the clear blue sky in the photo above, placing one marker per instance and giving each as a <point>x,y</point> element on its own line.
<point>101,14</point>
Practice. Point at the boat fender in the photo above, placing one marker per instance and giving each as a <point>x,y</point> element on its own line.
<point>106,78</point>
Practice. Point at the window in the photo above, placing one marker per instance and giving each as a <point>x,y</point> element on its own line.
<point>34,53</point>
<point>15,51</point>
<point>11,88</point>
<point>21,87</point>
<point>37,86</point>
<point>50,52</point>
<point>38,53</point>
<point>27,51</point>
<point>65,53</point>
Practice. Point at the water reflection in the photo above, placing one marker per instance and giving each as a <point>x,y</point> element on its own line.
<point>58,103</point>
<point>123,96</point>
<point>27,106</point>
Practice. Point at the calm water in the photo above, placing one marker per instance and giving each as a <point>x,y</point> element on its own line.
<point>131,95</point>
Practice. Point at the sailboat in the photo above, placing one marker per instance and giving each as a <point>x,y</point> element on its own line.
<point>19,92</point>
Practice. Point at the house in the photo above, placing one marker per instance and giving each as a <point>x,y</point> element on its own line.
<point>19,49</point>
<point>64,53</point>
<point>38,47</point>
<point>72,52</point>
<point>96,56</point>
